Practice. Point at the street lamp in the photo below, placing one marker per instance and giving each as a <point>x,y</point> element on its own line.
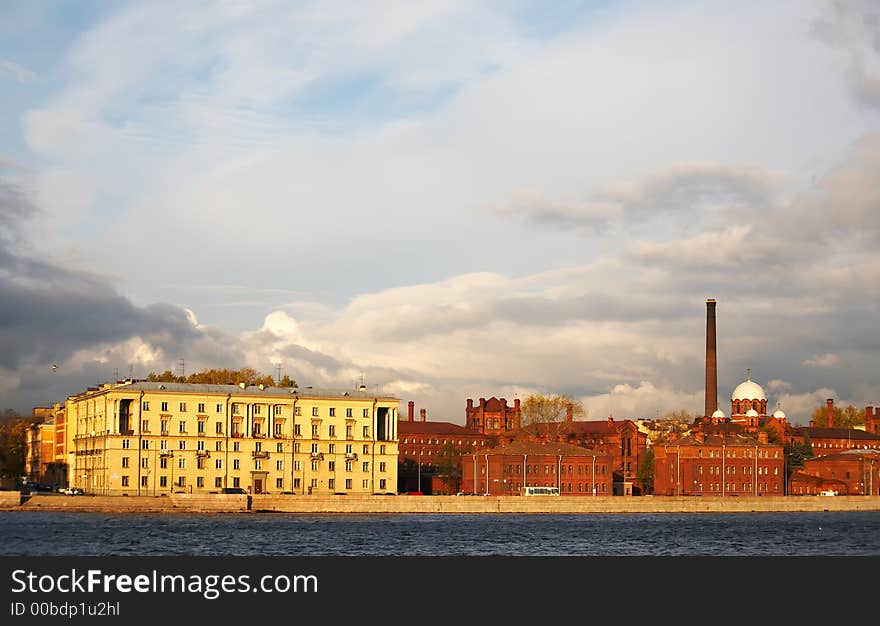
<point>420,470</point>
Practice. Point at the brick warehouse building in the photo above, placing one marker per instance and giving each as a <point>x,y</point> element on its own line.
<point>833,440</point>
<point>421,441</point>
<point>505,469</point>
<point>619,439</point>
<point>719,465</point>
<point>849,473</point>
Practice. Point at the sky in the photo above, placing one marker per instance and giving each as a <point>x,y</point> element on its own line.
<point>446,200</point>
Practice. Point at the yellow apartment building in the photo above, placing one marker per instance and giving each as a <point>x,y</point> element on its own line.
<point>152,438</point>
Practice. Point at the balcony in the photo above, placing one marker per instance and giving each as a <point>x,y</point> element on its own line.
<point>166,454</point>
<point>317,456</point>
<point>236,435</point>
<point>259,435</point>
<point>351,456</point>
<point>202,454</point>
<point>164,433</point>
<point>126,433</point>
<point>261,454</point>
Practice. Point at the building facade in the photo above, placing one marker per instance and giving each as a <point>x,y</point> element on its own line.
<point>429,449</point>
<point>505,470</point>
<point>150,438</point>
<point>719,465</point>
<point>847,473</point>
<point>493,416</point>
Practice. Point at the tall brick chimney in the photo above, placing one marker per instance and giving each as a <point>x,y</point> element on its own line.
<point>422,413</point>
<point>869,420</point>
<point>711,360</point>
<point>569,412</point>
<point>410,413</point>
<point>830,404</point>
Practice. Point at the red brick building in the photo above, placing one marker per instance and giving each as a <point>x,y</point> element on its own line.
<point>833,440</point>
<point>619,439</point>
<point>851,472</point>
<point>493,416</point>
<point>719,465</point>
<point>505,469</point>
<point>421,442</point>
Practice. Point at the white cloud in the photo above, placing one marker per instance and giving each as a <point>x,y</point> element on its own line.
<point>21,74</point>
<point>823,360</point>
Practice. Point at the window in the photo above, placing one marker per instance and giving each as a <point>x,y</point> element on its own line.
<point>382,449</point>
<point>332,430</point>
<point>314,411</point>
<point>297,431</point>
<point>218,428</point>
<point>182,426</point>
<point>382,466</point>
<point>331,448</point>
<point>348,448</point>
<point>200,481</point>
<point>279,447</point>
<point>277,429</point>
<point>201,407</point>
<point>314,431</point>
<point>164,406</point>
<point>181,445</point>
<point>297,410</point>
<point>219,408</point>
<point>125,481</point>
<point>314,483</point>
<point>279,483</point>
<point>163,462</point>
<point>366,432</point>
<point>297,466</point>
<point>382,483</point>
<point>218,446</point>
<point>236,408</point>
<point>145,406</point>
<point>348,483</point>
<point>145,426</point>
<point>258,464</point>
<point>236,446</point>
<point>348,466</point>
<point>296,483</point>
<point>347,412</point>
<point>181,481</point>
<point>258,409</point>
<point>349,431</point>
<point>181,463</point>
<point>218,482</point>
<point>366,412</point>
<point>257,429</point>
<point>145,444</point>
<point>164,426</point>
<point>277,409</point>
<point>236,482</point>
<point>296,448</point>
<point>126,444</point>
<point>144,463</point>
<point>200,445</point>
<point>236,464</point>
<point>331,465</point>
<point>366,466</point>
<point>279,465</point>
<point>218,463</point>
<point>314,466</point>
<point>366,449</point>
<point>125,461</point>
<point>163,481</point>
<point>183,407</point>
<point>332,411</point>
<point>331,483</point>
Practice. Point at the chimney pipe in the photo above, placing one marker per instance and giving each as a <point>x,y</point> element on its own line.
<point>869,419</point>
<point>711,360</point>
<point>569,412</point>
<point>422,413</point>
<point>830,404</point>
<point>411,410</point>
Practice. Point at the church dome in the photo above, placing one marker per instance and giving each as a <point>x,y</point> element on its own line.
<point>779,414</point>
<point>748,390</point>
<point>718,413</point>
<point>751,413</point>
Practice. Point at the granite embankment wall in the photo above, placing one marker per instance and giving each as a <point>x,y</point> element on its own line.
<point>352,504</point>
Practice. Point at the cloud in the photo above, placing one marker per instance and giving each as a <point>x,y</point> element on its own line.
<point>824,360</point>
<point>21,74</point>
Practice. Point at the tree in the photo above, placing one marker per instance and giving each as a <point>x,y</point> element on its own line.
<point>247,375</point>
<point>550,414</point>
<point>795,454</point>
<point>446,463</point>
<point>847,417</point>
<point>645,473</point>
<point>13,442</point>
<point>287,381</point>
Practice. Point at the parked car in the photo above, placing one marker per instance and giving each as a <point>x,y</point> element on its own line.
<point>233,490</point>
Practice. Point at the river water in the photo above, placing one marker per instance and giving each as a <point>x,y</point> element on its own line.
<point>275,534</point>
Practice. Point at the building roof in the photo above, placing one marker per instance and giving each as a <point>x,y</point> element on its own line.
<point>494,405</point>
<point>719,439</point>
<point>533,447</point>
<point>814,432</point>
<point>406,427</point>
<point>252,390</point>
<point>846,455</point>
<point>577,427</point>
<point>748,390</point>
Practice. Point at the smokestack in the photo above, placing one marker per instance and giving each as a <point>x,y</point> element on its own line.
<point>830,404</point>
<point>711,361</point>
<point>422,413</point>
<point>569,412</point>
<point>869,419</point>
<point>411,412</point>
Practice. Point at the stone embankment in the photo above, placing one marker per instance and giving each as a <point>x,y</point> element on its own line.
<point>353,504</point>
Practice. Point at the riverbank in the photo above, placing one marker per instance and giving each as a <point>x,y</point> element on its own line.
<point>352,504</point>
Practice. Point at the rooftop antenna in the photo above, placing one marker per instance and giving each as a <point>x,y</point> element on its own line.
<point>363,387</point>
<point>115,374</point>
<point>278,368</point>
<point>54,367</point>
<point>182,368</point>
<point>131,371</point>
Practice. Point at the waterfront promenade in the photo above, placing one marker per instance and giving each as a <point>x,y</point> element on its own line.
<point>352,504</point>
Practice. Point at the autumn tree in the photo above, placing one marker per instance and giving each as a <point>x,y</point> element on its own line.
<point>549,414</point>
<point>214,376</point>
<point>13,442</point>
<point>847,417</point>
<point>795,454</point>
<point>645,473</point>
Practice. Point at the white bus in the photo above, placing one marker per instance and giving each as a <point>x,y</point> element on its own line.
<point>540,491</point>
